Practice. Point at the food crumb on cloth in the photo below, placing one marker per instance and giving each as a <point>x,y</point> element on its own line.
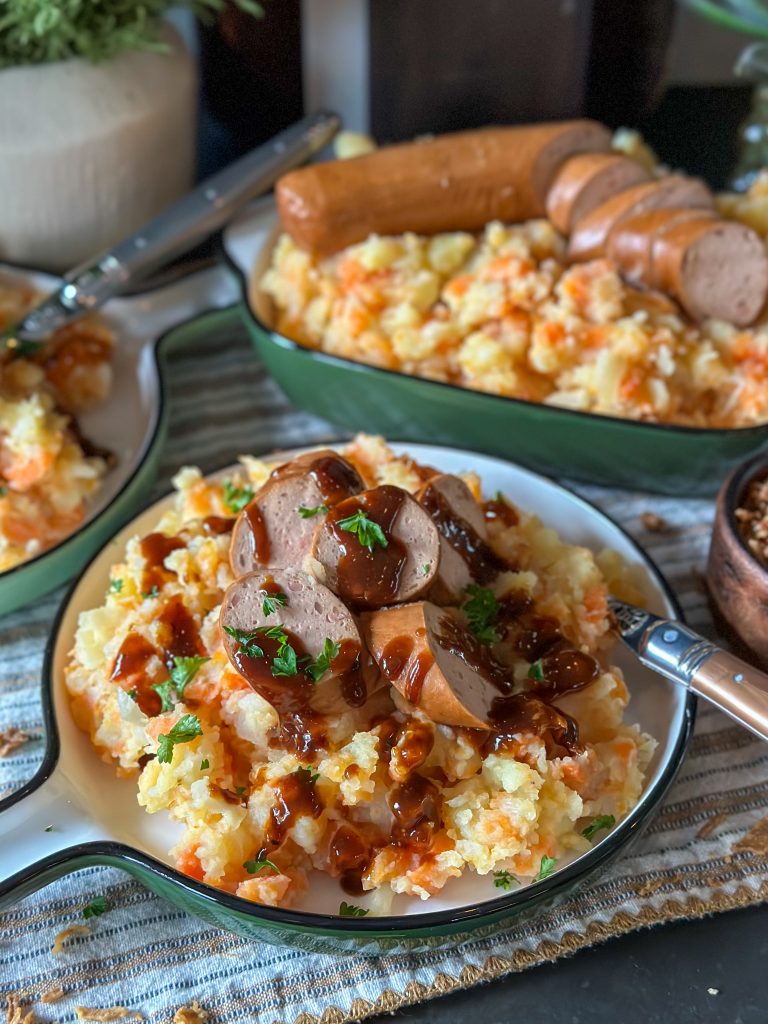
<point>192,1014</point>
<point>655,523</point>
<point>107,1013</point>
<point>11,739</point>
<point>17,1013</point>
<point>710,825</point>
<point>52,995</point>
<point>755,841</point>
<point>68,933</point>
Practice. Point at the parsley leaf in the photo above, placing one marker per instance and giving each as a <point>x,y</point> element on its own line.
<point>481,609</point>
<point>313,776</point>
<point>187,728</point>
<point>97,906</point>
<point>205,763</point>
<point>245,639</point>
<point>272,602</point>
<point>48,828</point>
<point>368,533</point>
<point>253,867</point>
<point>322,662</point>
<point>23,349</point>
<point>504,880</point>
<point>116,586</point>
<point>239,790</point>
<point>184,671</point>
<point>284,663</point>
<point>536,671</point>
<point>133,693</point>
<point>604,821</point>
<point>546,867</point>
<point>3,491</point>
<point>308,513</point>
<point>154,592</point>
<point>350,910</point>
<point>236,498</point>
<point>425,568</point>
<point>167,695</point>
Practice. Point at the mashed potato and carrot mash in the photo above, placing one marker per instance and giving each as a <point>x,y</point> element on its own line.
<point>203,747</point>
<point>47,470</point>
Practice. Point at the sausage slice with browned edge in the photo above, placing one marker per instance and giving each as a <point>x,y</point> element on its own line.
<point>630,244</point>
<point>276,527</point>
<point>465,554</point>
<point>379,547</point>
<point>436,663</point>
<point>714,268</point>
<point>295,643</point>
<point>456,182</point>
<point>590,236</point>
<point>586,181</point>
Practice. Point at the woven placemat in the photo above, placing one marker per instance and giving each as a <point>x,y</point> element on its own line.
<point>705,851</point>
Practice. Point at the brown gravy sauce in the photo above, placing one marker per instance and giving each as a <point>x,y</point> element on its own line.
<point>525,713</point>
<point>452,636</point>
<point>481,560</point>
<point>496,510</point>
<point>155,548</point>
<point>216,525</point>
<point>369,578</point>
<point>295,797</point>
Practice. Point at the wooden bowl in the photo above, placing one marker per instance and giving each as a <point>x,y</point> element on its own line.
<point>737,580</point>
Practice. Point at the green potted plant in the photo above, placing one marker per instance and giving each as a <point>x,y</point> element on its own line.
<point>98,107</point>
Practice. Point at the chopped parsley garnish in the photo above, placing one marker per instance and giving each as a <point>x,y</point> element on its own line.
<point>323,661</point>
<point>236,498</point>
<point>546,867</point>
<point>272,602</point>
<point>48,828</point>
<point>313,776</point>
<point>205,763</point>
<point>167,695</point>
<point>245,639</point>
<point>184,671</point>
<point>368,533</point>
<point>253,867</point>
<point>116,586</point>
<point>23,349</point>
<point>187,728</point>
<point>3,491</point>
<point>604,821</point>
<point>133,693</point>
<point>239,790</point>
<point>154,592</point>
<point>504,880</point>
<point>97,906</point>
<point>350,910</point>
<point>481,609</point>
<point>536,671</point>
<point>308,513</point>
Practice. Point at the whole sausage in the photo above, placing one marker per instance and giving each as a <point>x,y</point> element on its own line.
<point>714,268</point>
<point>379,547</point>
<point>435,663</point>
<point>586,181</point>
<point>590,236</point>
<point>465,555</point>
<point>293,620</point>
<point>456,182</point>
<point>630,244</point>
<point>277,525</point>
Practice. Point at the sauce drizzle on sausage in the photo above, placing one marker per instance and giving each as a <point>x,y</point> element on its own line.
<point>481,560</point>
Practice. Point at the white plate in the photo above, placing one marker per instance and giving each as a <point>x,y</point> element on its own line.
<point>85,801</point>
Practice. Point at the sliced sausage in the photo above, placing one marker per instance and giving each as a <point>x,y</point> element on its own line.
<point>454,182</point>
<point>379,547</point>
<point>283,608</point>
<point>630,244</point>
<point>271,529</point>
<point>586,181</point>
<point>435,663</point>
<point>465,554</point>
<point>714,268</point>
<point>590,236</point>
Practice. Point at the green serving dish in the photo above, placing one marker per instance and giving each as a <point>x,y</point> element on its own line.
<point>682,461</point>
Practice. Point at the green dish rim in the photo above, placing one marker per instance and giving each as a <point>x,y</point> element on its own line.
<point>412,924</point>
<point>343,362</point>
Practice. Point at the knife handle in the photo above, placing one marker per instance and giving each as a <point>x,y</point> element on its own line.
<point>181,226</point>
<point>736,688</point>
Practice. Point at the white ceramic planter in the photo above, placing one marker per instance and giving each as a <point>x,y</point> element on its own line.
<point>89,152</point>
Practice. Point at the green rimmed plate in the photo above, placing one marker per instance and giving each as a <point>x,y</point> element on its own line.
<point>606,450</point>
<point>133,422</point>
<point>97,820</point>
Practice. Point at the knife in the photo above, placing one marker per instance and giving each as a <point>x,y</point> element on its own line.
<point>173,232</point>
<point>675,651</point>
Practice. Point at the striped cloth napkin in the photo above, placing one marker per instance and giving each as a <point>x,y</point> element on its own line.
<point>705,851</point>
